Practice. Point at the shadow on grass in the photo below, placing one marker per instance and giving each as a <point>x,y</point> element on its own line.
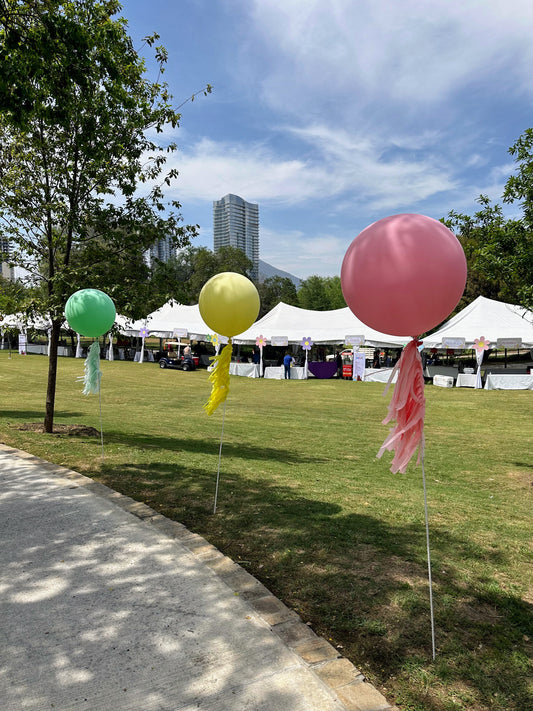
<point>362,583</point>
<point>208,447</point>
<point>23,415</point>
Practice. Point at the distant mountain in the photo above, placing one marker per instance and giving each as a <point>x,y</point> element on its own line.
<point>267,270</point>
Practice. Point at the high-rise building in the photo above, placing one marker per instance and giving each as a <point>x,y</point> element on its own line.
<point>5,250</point>
<point>236,224</point>
<point>162,250</point>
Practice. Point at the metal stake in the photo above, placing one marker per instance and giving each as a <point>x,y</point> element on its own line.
<point>429,562</point>
<point>219,457</point>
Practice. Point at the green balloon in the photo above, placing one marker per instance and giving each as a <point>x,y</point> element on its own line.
<point>90,312</point>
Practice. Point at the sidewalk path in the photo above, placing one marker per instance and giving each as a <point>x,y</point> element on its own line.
<point>107,606</point>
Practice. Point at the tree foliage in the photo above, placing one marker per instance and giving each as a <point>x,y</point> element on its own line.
<point>14,296</point>
<point>476,233</point>
<point>321,294</point>
<point>182,277</point>
<point>519,187</point>
<point>334,293</point>
<point>77,124</point>
<point>274,290</point>
<point>499,250</point>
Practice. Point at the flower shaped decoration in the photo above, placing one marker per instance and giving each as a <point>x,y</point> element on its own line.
<point>143,332</point>
<point>260,341</point>
<point>481,344</point>
<point>213,338</point>
<point>306,343</point>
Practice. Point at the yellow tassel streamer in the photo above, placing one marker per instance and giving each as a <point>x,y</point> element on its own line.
<point>219,377</point>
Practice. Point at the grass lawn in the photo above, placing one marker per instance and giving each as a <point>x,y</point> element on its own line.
<point>306,507</point>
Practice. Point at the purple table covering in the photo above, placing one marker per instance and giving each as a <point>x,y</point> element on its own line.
<point>322,369</point>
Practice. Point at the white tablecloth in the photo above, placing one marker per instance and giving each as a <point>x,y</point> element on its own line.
<point>43,349</point>
<point>148,356</point>
<point>379,375</point>
<point>248,370</point>
<point>278,373</point>
<point>509,382</point>
<point>466,380</point>
<point>36,348</point>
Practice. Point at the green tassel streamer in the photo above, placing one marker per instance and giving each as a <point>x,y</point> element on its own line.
<point>93,374</point>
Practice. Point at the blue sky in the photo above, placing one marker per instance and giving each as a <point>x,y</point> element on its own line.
<point>333,114</point>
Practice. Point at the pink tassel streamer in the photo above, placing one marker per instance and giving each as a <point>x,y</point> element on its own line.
<point>407,407</point>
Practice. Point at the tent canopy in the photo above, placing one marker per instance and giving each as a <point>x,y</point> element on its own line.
<point>165,320</point>
<point>283,320</point>
<point>22,321</point>
<point>321,326</point>
<point>483,317</point>
<point>486,318</point>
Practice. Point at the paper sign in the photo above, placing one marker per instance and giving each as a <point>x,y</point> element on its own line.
<point>279,340</point>
<point>180,332</point>
<point>353,340</point>
<point>359,359</point>
<point>509,343</point>
<point>453,342</point>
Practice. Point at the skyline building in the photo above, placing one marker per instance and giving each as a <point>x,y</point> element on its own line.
<point>7,271</point>
<point>163,250</point>
<point>236,224</point>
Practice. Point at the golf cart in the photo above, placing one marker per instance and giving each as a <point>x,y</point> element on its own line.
<point>171,359</point>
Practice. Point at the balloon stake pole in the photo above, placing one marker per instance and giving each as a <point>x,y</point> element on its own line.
<point>101,426</point>
<point>219,458</point>
<point>429,562</point>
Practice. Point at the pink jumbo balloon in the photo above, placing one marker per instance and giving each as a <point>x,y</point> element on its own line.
<point>404,274</point>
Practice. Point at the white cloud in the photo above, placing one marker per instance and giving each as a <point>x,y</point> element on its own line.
<point>493,187</point>
<point>210,170</point>
<point>370,87</point>
<point>502,172</point>
<point>302,254</point>
<point>409,52</point>
<point>342,166</point>
<point>361,167</point>
<point>333,114</point>
<point>476,160</point>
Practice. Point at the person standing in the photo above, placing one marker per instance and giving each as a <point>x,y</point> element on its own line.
<point>287,362</point>
<point>338,360</point>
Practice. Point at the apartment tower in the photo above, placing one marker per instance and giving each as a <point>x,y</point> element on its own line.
<point>163,250</point>
<point>5,251</point>
<point>236,224</point>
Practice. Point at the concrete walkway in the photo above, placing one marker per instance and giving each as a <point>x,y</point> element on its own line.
<point>107,606</point>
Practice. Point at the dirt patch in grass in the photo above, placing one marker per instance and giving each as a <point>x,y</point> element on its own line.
<point>70,430</point>
<point>521,480</point>
<point>480,612</point>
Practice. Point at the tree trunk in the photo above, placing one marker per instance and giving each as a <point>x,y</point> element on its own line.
<point>52,376</point>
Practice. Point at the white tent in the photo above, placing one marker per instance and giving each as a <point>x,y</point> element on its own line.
<point>489,319</point>
<point>321,326</point>
<point>283,320</point>
<point>22,322</point>
<point>165,321</point>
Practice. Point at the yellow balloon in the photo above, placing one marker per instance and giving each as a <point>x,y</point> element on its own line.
<point>229,303</point>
